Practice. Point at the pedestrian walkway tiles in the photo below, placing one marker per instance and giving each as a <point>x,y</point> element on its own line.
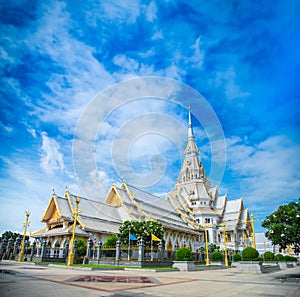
<point>113,283</point>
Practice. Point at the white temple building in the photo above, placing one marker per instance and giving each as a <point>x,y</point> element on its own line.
<point>192,208</point>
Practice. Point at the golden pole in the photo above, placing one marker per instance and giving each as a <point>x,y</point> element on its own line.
<point>225,249</point>
<point>253,232</point>
<point>75,214</point>
<point>206,245</point>
<point>26,224</point>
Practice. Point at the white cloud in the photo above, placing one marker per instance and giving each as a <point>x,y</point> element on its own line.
<point>32,132</point>
<point>268,172</point>
<point>158,34</point>
<point>126,63</point>
<point>174,71</point>
<point>121,11</point>
<point>151,12</point>
<point>6,128</point>
<point>198,56</point>
<point>95,185</point>
<point>227,80</point>
<point>25,187</point>
<point>51,159</point>
<point>80,78</point>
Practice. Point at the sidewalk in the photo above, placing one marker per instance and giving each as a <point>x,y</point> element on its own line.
<point>27,280</point>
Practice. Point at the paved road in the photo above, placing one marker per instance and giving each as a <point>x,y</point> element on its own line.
<point>27,280</point>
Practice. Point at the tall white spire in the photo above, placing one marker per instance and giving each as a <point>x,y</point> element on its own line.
<point>190,127</point>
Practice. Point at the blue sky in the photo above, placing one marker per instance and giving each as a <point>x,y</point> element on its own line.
<point>71,114</point>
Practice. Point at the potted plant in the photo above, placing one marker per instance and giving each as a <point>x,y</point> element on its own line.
<point>251,262</point>
<point>279,258</point>
<point>290,261</point>
<point>184,260</point>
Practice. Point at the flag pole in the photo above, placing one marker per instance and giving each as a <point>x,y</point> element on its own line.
<point>129,246</point>
<point>151,248</point>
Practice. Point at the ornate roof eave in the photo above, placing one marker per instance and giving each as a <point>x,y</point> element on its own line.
<point>33,234</point>
<point>67,195</point>
<point>240,212</point>
<point>182,215</point>
<point>139,207</point>
<point>123,204</point>
<point>52,200</point>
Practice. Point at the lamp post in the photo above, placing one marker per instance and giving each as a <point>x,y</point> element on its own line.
<point>75,214</point>
<point>225,249</point>
<point>206,244</point>
<point>26,224</point>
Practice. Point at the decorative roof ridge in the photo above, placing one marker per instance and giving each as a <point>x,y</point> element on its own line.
<point>96,201</point>
<point>97,218</point>
<point>128,185</point>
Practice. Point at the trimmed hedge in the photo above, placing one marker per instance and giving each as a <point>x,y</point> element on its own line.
<point>184,254</point>
<point>250,254</point>
<point>279,257</point>
<point>288,258</point>
<point>216,256</point>
<point>269,256</point>
<point>237,257</point>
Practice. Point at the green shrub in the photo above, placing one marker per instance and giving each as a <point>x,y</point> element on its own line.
<point>216,256</point>
<point>279,257</point>
<point>81,247</point>
<point>259,259</point>
<point>237,257</point>
<point>288,258</point>
<point>269,256</point>
<point>184,254</point>
<point>249,254</point>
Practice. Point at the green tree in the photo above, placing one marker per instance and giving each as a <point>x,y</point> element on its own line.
<point>213,248</point>
<point>8,234</point>
<point>110,241</point>
<point>284,226</point>
<point>142,229</point>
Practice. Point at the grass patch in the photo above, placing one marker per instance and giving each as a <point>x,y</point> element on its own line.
<point>95,266</point>
<point>98,266</point>
<point>153,268</point>
<point>47,263</point>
